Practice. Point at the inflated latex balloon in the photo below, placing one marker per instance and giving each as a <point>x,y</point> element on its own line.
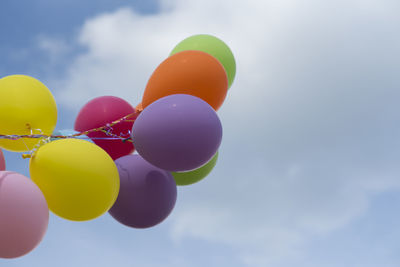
<point>100,111</point>
<point>177,133</point>
<point>24,215</point>
<point>79,179</point>
<point>191,177</point>
<point>26,107</point>
<point>139,107</point>
<point>2,161</point>
<point>213,46</point>
<point>193,73</point>
<point>147,195</point>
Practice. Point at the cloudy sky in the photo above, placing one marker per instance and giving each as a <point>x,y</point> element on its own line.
<point>308,172</point>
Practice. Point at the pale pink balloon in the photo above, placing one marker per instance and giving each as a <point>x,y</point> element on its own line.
<point>2,161</point>
<point>24,215</point>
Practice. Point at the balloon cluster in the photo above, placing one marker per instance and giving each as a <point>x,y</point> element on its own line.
<point>80,174</point>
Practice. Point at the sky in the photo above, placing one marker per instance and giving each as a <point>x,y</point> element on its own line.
<point>308,172</point>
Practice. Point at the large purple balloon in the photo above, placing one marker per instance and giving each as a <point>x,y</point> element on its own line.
<point>177,133</point>
<point>147,194</point>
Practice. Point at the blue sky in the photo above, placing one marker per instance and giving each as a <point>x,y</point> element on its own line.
<point>308,172</point>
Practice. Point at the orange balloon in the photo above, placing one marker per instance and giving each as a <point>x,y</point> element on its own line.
<point>188,72</point>
<point>139,107</point>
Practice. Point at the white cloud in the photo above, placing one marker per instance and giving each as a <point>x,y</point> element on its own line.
<point>311,128</point>
<point>55,47</point>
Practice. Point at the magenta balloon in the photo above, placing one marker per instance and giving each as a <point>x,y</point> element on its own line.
<point>24,215</point>
<point>147,194</point>
<point>100,111</point>
<point>2,161</point>
<point>177,133</point>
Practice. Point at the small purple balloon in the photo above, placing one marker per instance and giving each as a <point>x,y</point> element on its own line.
<point>147,194</point>
<point>177,133</point>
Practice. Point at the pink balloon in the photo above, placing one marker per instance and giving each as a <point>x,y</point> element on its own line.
<point>100,111</point>
<point>24,215</point>
<point>2,161</point>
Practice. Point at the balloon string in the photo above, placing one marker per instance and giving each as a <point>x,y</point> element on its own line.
<point>107,129</point>
<point>42,141</point>
<point>110,125</point>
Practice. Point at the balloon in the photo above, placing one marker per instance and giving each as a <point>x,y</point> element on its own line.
<point>79,179</point>
<point>147,195</point>
<point>191,177</point>
<point>100,111</point>
<point>26,107</point>
<point>69,132</point>
<point>2,161</point>
<point>139,107</point>
<point>189,72</point>
<point>177,133</point>
<point>213,46</point>
<point>24,215</point>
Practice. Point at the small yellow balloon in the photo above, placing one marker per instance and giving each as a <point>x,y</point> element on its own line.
<point>26,107</point>
<point>79,179</point>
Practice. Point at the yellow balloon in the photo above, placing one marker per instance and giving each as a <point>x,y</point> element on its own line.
<point>79,179</point>
<point>26,107</point>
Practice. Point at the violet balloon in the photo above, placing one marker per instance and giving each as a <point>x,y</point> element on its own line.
<point>177,133</point>
<point>147,194</point>
<point>24,215</point>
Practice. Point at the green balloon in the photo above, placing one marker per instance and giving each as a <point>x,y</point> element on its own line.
<point>213,46</point>
<point>191,177</point>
